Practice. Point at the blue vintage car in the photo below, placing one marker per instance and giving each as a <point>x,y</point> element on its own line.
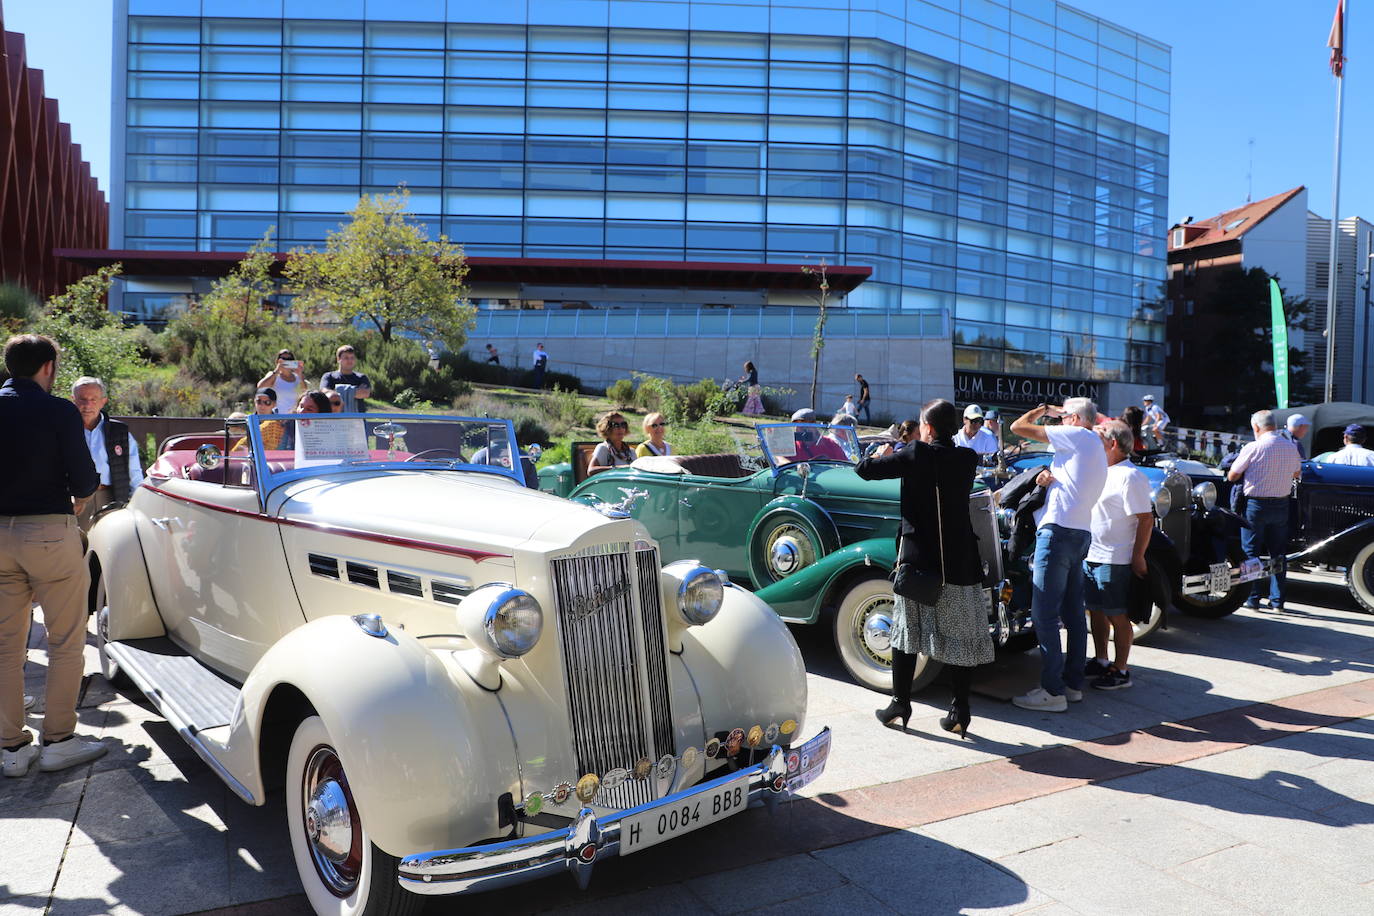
<point>1335,524</point>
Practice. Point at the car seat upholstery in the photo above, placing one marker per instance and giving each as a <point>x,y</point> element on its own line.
<point>724,464</point>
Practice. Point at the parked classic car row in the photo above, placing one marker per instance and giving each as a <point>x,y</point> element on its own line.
<point>459,683</point>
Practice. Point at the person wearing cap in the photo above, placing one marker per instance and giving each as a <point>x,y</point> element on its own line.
<point>1354,453</point>
<point>271,431</point>
<point>810,443</point>
<point>1155,422</point>
<point>973,435</point>
<point>1268,466</point>
<point>1297,428</point>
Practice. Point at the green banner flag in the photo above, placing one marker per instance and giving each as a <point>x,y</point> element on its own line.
<point>1280,335</point>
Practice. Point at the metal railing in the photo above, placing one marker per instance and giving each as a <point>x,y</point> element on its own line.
<point>689,323</point>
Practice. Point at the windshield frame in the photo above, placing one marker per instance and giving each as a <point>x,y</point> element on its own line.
<point>823,428</point>
<point>267,481</point>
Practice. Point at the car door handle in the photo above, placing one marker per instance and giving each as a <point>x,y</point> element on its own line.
<point>164,523</point>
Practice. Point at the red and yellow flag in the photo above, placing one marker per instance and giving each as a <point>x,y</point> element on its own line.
<point>1336,41</point>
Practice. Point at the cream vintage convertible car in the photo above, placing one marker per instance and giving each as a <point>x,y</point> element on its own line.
<point>460,683</point>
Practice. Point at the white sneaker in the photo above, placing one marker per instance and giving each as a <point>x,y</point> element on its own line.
<point>1042,699</point>
<point>28,702</point>
<point>1073,696</point>
<point>16,763</point>
<point>69,753</point>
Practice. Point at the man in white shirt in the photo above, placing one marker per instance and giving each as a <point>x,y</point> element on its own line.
<point>1155,422</point>
<point>1354,453</point>
<point>115,455</point>
<point>1074,483</point>
<point>973,434</point>
<point>1122,522</point>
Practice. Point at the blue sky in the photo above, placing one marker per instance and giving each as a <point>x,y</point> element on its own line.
<point>1241,69</point>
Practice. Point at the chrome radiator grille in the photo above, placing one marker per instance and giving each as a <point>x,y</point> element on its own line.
<point>610,622</point>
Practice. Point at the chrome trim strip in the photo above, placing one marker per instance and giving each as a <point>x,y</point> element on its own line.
<point>1197,583</point>
<point>177,719</point>
<point>575,848</point>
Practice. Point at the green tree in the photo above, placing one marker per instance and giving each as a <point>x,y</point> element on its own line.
<point>243,297</point>
<point>85,301</point>
<point>818,334</point>
<point>383,269</point>
<point>1236,350</point>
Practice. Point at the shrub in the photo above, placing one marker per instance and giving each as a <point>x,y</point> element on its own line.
<point>701,438</point>
<point>18,306</point>
<point>407,399</point>
<point>565,410</point>
<point>181,395</point>
<point>529,431</point>
<point>682,403</point>
<point>559,452</point>
<point>621,392</point>
<point>109,353</point>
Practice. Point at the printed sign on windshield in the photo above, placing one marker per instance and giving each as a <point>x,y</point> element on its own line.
<point>330,442</point>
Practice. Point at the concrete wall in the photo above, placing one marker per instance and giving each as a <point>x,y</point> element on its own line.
<point>903,373</point>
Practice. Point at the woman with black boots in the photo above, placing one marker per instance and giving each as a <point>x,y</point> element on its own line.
<point>937,539</point>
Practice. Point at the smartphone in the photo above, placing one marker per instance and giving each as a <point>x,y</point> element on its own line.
<point>290,364</point>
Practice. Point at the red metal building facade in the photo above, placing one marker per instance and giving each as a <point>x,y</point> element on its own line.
<point>48,198</point>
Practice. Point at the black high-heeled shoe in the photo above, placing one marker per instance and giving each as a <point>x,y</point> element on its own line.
<point>894,711</point>
<point>957,720</point>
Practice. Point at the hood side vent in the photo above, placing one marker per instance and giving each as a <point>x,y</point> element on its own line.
<point>403,584</point>
<point>449,592</point>
<point>321,565</point>
<point>359,574</point>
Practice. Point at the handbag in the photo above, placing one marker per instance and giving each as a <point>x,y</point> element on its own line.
<point>915,585</point>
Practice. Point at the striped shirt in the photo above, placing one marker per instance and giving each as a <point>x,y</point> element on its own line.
<point>1269,465</point>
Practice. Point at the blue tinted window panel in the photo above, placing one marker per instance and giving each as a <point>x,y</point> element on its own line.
<point>166,223</point>
<point>404,91</point>
<point>729,155</point>
<point>404,63</point>
<point>241,31</point>
<point>163,86</point>
<point>415,35</point>
<point>324,62</point>
<point>646,124</point>
<point>484,175</point>
<point>645,152</point>
<point>159,57</point>
<point>642,233</point>
<point>741,101</point>
<point>403,117</point>
<point>500,148</point>
<point>647,97</point>
<point>320,171</point>
<point>159,113</point>
<point>563,232</point>
<point>570,150</point>
<point>569,40</point>
<point>564,178</point>
<point>646,179</point>
<point>648,70</point>
<point>484,202</point>
<point>801,184</point>
<point>414,174</point>
<point>247,171</point>
<point>323,89</point>
<point>309,31</point>
<point>467,119</point>
<point>486,65</point>
<point>481,229</point>
<point>485,92</point>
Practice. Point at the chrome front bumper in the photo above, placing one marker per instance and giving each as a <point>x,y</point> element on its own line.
<point>1223,577</point>
<point>576,848</point>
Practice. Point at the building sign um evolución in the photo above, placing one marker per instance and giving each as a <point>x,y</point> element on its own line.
<point>1020,390</point>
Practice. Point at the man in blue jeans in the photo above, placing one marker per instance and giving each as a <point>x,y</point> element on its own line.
<point>1266,469</point>
<point>1074,479</point>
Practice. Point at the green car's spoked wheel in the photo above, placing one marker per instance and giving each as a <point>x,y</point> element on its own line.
<point>863,636</point>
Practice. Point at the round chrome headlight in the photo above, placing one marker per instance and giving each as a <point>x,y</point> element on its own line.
<point>501,619</point>
<point>1205,495</point>
<point>700,591</point>
<point>1163,500</point>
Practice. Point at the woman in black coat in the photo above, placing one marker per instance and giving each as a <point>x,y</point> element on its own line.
<point>936,479</point>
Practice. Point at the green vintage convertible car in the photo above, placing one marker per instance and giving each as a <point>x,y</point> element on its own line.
<point>797,525</point>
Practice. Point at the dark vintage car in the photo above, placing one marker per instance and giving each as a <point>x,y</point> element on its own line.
<point>1335,524</point>
<point>798,526</point>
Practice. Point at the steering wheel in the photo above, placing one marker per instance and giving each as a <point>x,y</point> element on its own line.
<point>429,453</point>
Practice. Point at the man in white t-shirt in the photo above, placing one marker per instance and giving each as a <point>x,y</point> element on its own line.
<point>1074,479</point>
<point>1122,522</point>
<point>973,435</point>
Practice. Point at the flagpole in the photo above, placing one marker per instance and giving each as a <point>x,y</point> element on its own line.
<point>1335,220</point>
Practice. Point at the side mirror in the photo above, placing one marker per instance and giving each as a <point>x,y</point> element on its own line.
<point>209,457</point>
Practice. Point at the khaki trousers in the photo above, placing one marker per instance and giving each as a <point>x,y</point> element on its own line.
<point>41,558</point>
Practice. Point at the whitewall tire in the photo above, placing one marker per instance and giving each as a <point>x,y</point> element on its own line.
<point>863,622</point>
<point>1359,577</point>
<point>342,872</point>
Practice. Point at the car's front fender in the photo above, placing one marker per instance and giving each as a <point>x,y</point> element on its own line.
<point>746,667</point>
<point>423,763</point>
<point>799,597</point>
<point>1339,548</point>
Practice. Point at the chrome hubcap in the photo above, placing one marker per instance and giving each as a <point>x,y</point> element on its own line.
<point>332,828</point>
<point>785,555</point>
<point>873,629</point>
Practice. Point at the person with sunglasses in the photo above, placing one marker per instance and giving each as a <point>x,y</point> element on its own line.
<point>265,405</point>
<point>612,452</point>
<point>655,427</point>
<point>973,435</point>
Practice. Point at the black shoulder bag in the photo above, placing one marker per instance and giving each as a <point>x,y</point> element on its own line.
<point>914,585</point>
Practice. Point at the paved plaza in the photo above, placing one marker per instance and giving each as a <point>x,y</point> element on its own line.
<point>1236,776</point>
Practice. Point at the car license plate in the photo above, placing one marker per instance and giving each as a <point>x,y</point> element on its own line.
<point>649,828</point>
<point>1251,570</point>
<point>1219,578</point>
<point>806,762</point>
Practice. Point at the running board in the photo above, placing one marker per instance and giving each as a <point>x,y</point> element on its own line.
<point>190,696</point>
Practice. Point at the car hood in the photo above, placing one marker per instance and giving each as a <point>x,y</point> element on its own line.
<point>841,482</point>
<point>443,507</point>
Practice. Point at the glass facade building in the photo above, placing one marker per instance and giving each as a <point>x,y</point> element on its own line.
<point>1002,160</point>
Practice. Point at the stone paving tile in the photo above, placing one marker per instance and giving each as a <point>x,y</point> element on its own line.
<point>31,847</point>
<point>911,873</point>
<point>132,803</point>
<point>668,900</point>
<point>1095,879</point>
<point>742,889</point>
<point>998,832</point>
<point>847,899</point>
<point>168,874</point>
<point>1265,881</point>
